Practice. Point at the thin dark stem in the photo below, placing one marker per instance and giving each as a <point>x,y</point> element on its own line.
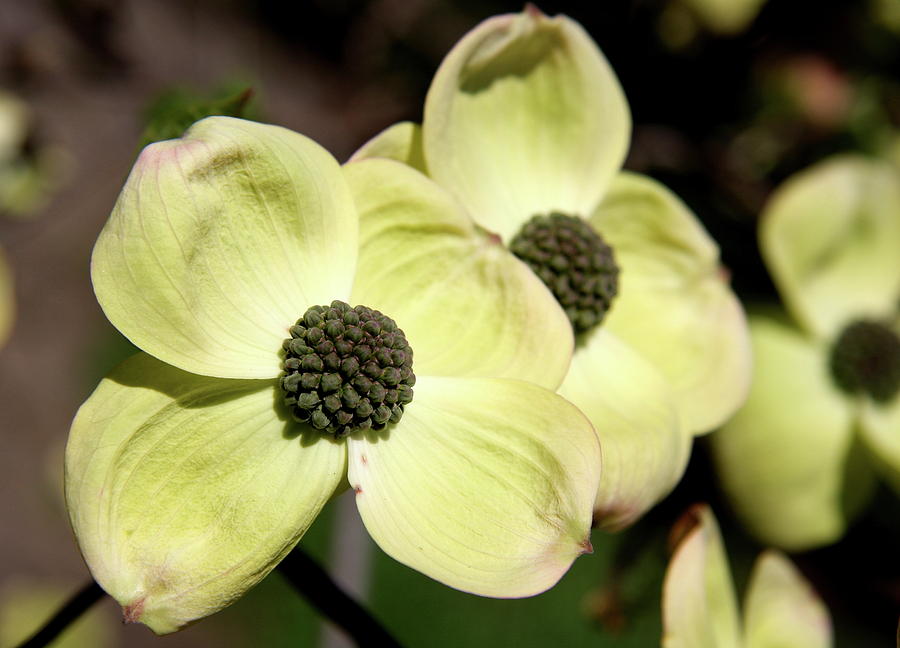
<point>322,592</point>
<point>304,574</point>
<point>68,613</point>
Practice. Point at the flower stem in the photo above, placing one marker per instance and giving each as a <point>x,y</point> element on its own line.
<point>314,583</point>
<point>301,571</point>
<point>68,613</point>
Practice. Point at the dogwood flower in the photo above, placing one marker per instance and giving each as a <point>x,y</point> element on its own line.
<point>700,609</point>
<point>526,124</point>
<point>799,459</point>
<point>232,259</point>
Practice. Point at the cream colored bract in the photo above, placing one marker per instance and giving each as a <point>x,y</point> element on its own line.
<point>800,458</point>
<point>186,479</point>
<point>700,609</point>
<point>526,117</point>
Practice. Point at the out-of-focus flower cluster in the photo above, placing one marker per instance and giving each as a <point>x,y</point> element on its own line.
<point>823,417</point>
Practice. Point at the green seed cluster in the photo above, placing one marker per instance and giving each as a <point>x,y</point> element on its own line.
<point>866,359</point>
<point>347,369</point>
<point>574,262</point>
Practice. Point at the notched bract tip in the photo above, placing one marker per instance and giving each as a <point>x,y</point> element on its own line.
<point>724,274</point>
<point>532,10</point>
<point>132,612</point>
<point>586,546</point>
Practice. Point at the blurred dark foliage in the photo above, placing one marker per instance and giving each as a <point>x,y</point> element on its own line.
<point>175,110</point>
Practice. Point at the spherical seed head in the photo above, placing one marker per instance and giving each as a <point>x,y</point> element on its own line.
<point>865,359</point>
<point>574,262</point>
<point>347,369</point>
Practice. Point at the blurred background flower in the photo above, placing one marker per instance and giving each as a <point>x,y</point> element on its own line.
<point>823,417</point>
<point>30,168</point>
<point>682,19</point>
<point>700,608</point>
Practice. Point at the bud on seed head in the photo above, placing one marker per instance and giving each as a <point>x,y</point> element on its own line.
<point>347,369</point>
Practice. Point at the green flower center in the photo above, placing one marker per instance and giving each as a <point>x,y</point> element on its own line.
<point>574,262</point>
<point>347,369</point>
<point>866,359</point>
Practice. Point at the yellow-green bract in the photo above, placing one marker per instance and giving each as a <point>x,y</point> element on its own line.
<point>800,458</point>
<point>700,608</point>
<point>526,117</point>
<point>186,480</point>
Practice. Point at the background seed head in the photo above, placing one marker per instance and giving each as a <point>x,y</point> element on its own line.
<point>575,263</point>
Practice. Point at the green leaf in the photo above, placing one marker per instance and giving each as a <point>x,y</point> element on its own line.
<point>171,113</point>
<point>486,485</point>
<point>467,305</point>
<point>645,449</point>
<point>525,116</point>
<point>674,304</point>
<point>567,615</point>
<point>220,241</point>
<point>184,491</point>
